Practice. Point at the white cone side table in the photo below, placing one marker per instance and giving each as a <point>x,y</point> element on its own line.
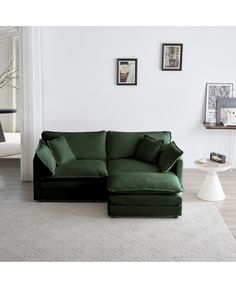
<point>211,189</point>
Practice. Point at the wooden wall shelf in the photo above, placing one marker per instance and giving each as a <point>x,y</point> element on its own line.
<point>210,126</point>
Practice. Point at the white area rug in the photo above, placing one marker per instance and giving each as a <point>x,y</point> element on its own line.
<point>84,232</point>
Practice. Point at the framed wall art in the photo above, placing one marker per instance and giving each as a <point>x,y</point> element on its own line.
<point>213,91</point>
<point>127,71</point>
<point>172,54</point>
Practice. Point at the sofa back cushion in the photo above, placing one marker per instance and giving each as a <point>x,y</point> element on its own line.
<point>84,145</point>
<point>122,145</point>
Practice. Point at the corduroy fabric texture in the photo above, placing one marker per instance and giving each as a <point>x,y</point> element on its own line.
<point>82,168</point>
<point>161,183</point>
<point>130,165</point>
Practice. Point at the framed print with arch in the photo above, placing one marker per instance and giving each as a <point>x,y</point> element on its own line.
<point>127,71</point>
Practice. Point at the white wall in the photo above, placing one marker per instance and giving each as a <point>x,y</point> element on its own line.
<point>80,91</point>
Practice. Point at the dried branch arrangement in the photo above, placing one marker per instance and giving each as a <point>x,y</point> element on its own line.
<point>8,75</point>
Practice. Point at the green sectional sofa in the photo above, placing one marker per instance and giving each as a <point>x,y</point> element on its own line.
<point>103,167</point>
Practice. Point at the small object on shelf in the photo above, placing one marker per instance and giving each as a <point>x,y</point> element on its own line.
<point>202,161</point>
<point>226,109</point>
<point>216,157</point>
<point>229,124</point>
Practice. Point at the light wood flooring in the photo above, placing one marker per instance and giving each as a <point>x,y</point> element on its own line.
<point>12,189</point>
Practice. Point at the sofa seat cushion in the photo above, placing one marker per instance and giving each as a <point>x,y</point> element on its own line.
<point>142,199</point>
<point>130,165</point>
<point>82,168</point>
<point>138,182</point>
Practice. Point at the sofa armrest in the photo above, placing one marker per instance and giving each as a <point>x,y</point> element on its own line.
<point>178,169</point>
<point>39,169</point>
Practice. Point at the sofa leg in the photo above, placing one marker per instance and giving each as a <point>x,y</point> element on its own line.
<point>176,216</point>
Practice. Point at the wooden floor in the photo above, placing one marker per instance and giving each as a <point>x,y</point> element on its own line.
<point>12,189</point>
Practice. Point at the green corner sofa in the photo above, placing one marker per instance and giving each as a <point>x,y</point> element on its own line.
<point>105,169</point>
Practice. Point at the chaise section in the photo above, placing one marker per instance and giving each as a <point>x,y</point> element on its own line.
<point>153,183</point>
<point>144,194</point>
<point>137,188</point>
<point>145,198</point>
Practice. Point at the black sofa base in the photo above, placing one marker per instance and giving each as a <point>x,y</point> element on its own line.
<point>71,190</point>
<point>148,211</point>
<point>49,196</point>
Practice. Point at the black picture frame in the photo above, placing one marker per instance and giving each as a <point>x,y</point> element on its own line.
<point>172,56</point>
<point>130,71</point>
<point>213,91</point>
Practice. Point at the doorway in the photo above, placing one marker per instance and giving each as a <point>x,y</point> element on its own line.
<point>27,121</point>
<point>10,107</point>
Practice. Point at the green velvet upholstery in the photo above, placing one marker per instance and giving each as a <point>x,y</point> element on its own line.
<point>82,168</point>
<point>149,149</point>
<point>177,168</point>
<point>45,155</point>
<point>145,198</point>
<point>168,156</point>
<point>71,189</point>
<point>125,144</point>
<point>130,165</point>
<point>84,145</point>
<point>137,182</point>
<point>61,150</point>
<point>105,169</point>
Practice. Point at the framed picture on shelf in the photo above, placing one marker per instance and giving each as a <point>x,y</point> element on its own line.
<point>127,71</point>
<point>224,105</point>
<point>213,91</point>
<point>172,54</point>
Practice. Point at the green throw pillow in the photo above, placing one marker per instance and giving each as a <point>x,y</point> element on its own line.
<point>61,150</point>
<point>168,156</point>
<point>46,156</point>
<point>148,149</point>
